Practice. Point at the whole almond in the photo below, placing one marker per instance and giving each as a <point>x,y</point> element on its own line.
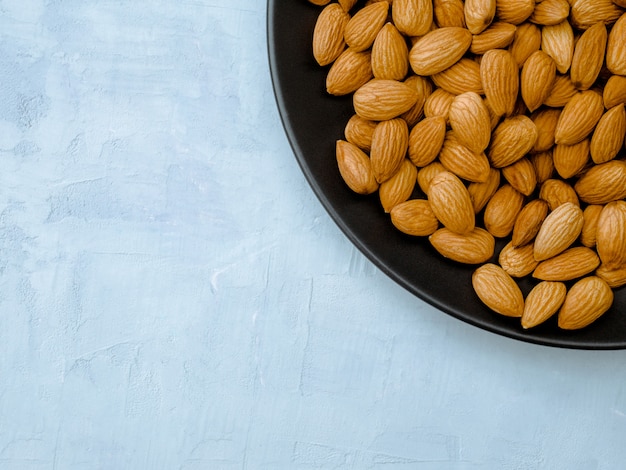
<point>499,74</point>
<point>497,36</point>
<point>502,211</point>
<point>328,40</point>
<point>517,261</point>
<point>438,103</point>
<point>426,174</point>
<point>469,118</point>
<point>557,192</point>
<point>613,277</point>
<point>571,264</point>
<point>426,139</point>
<point>479,14</point>
<point>608,136</point>
<point>439,49</point>
<point>355,168</point>
<point>603,183</point>
<point>390,142</point>
<point>399,187</point>
<point>347,4</point>
<point>362,29</point>
<point>559,230</point>
<point>350,71</point>
<point>414,217</point>
<point>537,79</point>
<point>529,221</point>
<point>449,13</point>
<point>614,91</point>
<point>611,235</point>
<point>413,17</point>
<point>380,100</point>
<point>543,301</point>
<point>451,203</point>
<point>462,77</point>
<point>615,50</point>
<point>570,160</point>
<point>521,175</point>
<point>561,93</point>
<point>550,12</point>
<point>424,88</point>
<point>579,117</point>
<point>527,40</point>
<point>586,13</point>
<point>359,131</point>
<point>591,215</point>
<point>586,301</point>
<point>475,247</point>
<point>588,56</point>
<point>544,165</point>
<point>514,11</point>
<point>498,291</point>
<point>545,120</point>
<point>390,54</point>
<point>511,140</point>
<point>481,193</point>
<point>558,42</point>
<point>463,162</point>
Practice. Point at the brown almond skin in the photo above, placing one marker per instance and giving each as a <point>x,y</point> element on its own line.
<point>355,168</point>
<point>426,139</point>
<point>502,211</point>
<point>349,72</point>
<point>475,247</point>
<point>414,217</point>
<point>479,14</point>
<point>481,193</point>
<point>412,17</point>
<point>579,117</point>
<point>545,120</point>
<point>439,49</point>
<point>390,142</point>
<point>514,11</point>
<point>614,92</point>
<point>517,261</point>
<point>449,13</point>
<point>558,42</point>
<point>615,50</point>
<point>499,35</point>
<point>380,100</point>
<point>390,54</point>
<point>542,302</point>
<point>511,140</point>
<point>463,162</point>
<point>561,92</point>
<point>499,74</point>
<point>469,118</point>
<point>527,40</point>
<point>462,77</point>
<point>521,175</point>
<point>588,56</point>
<point>359,131</point>
<point>603,183</point>
<point>399,187</point>
<point>608,136</point>
<point>586,301</point>
<point>438,103</point>
<point>529,221</point>
<point>328,39</point>
<point>451,203</point>
<point>591,215</point>
<point>426,174</point>
<point>570,160</point>
<point>559,230</point>
<point>537,79</point>
<point>498,291</point>
<point>613,277</point>
<point>544,165</point>
<point>586,13</point>
<point>424,88</point>
<point>611,235</point>
<point>362,29</point>
<point>557,192</point>
<point>550,12</point>
<point>571,264</point>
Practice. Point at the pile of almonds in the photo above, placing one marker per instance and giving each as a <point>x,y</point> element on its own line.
<point>508,115</point>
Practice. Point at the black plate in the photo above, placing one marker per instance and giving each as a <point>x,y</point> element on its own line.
<point>313,122</point>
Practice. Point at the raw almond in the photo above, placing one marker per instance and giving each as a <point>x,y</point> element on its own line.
<point>603,183</point>
<point>413,17</point>
<point>449,13</point>
<point>502,211</point>
<point>399,187</point>
<point>349,72</point>
<point>608,136</point>
<point>425,175</point>
<point>438,103</point>
<point>571,264</point>
<point>380,100</point>
<point>559,230</point>
<point>498,291</point>
<point>469,118</point>
<point>462,77</point>
<point>451,203</point>
<point>463,162</point>
<point>390,54</point>
<point>579,117</point>
<point>558,42</point>
<point>586,13</point>
<point>347,4</point>
<point>359,131</point>
<point>481,193</point>
<point>614,91</point>
<point>475,247</point>
<point>517,261</point>
<point>521,175</point>
<point>570,160</point>
<point>426,139</point>
<point>544,165</point>
<point>591,215</point>
<point>511,140</point>
<point>499,74</point>
<point>613,277</point>
<point>545,120</point>
<point>390,142</point>
<point>362,29</point>
<point>328,40</point>
<point>355,168</point>
<point>586,301</point>
<point>439,49</point>
<point>557,192</point>
<point>424,88</point>
<point>588,56</point>
<point>529,221</point>
<point>611,235</point>
<point>542,302</point>
<point>615,50</point>
<point>479,14</point>
<point>414,217</point>
<point>514,11</point>
<point>550,12</point>
<point>537,79</point>
<point>527,40</point>
<point>497,36</point>
<point>561,92</point>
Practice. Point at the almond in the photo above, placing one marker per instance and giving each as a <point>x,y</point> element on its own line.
<point>498,291</point>
<point>449,13</point>
<point>426,174</point>
<point>499,74</point>
<point>347,4</point>
<point>537,79</point>
<point>511,140</point>
<point>355,168</point>
<point>399,187</point>
<point>426,139</point>
<point>579,117</point>
<point>380,100</point>
<point>390,54</point>
<point>608,136</point>
<point>611,235</point>
<point>359,131</point>
<point>328,41</point>
<point>559,230</point>
<point>570,160</point>
<point>614,91</point>
<point>517,261</point>
<point>561,92</point>
<point>439,49</point>
<point>545,120</point>
<point>438,103</point>
<point>497,36</point>
<point>542,302</point>
<point>591,215</point>
<point>615,50</point>
<point>544,165</point>
<point>586,301</point>
<point>319,2</point>
<point>571,264</point>
<point>479,14</point>
<point>413,17</point>
<point>349,72</point>
<point>514,11</point>
<point>529,221</point>
<point>424,88</point>
<point>481,193</point>
<point>451,203</point>
<point>462,77</point>
<point>527,40</point>
<point>475,247</point>
<point>390,142</point>
<point>588,56</point>
<point>550,12</point>
<point>558,42</point>
<point>613,277</point>
<point>586,13</point>
<point>414,217</point>
<point>463,162</point>
<point>557,192</point>
<point>521,175</point>
<point>502,211</point>
<point>603,183</point>
<point>469,118</point>
<point>362,29</point>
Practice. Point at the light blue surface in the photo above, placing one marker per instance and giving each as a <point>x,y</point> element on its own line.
<point>173,295</point>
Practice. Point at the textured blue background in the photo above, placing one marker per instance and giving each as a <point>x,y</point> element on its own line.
<point>173,296</point>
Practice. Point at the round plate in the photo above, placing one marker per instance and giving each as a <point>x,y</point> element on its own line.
<point>313,122</point>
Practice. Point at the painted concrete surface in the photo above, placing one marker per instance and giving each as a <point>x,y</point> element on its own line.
<point>173,295</point>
